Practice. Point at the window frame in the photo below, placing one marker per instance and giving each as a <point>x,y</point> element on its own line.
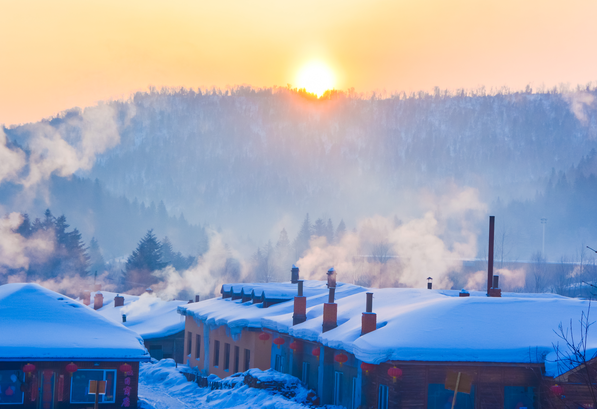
<point>197,347</point>
<point>383,396</point>
<point>236,358</point>
<point>189,344</point>
<point>216,360</point>
<point>16,372</point>
<point>226,356</point>
<point>338,379</point>
<point>305,373</point>
<point>101,397</point>
<point>247,363</point>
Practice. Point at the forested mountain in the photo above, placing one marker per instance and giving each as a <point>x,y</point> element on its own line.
<point>246,158</point>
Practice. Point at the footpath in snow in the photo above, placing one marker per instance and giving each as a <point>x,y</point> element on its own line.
<point>162,386</point>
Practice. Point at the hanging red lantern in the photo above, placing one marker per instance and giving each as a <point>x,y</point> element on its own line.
<point>316,352</point>
<point>263,336</point>
<point>395,373</point>
<point>72,367</point>
<point>28,369</point>
<point>125,368</point>
<point>279,341</point>
<point>556,390</point>
<point>295,346</point>
<point>340,358</point>
<point>367,367</point>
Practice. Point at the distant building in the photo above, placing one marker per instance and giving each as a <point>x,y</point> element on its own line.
<point>51,346</point>
<point>154,319</point>
<point>397,348</point>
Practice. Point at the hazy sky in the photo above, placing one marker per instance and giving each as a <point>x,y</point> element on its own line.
<point>59,54</point>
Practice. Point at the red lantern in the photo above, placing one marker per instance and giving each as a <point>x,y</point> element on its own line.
<point>72,368</point>
<point>295,346</point>
<point>556,390</point>
<point>125,368</point>
<point>28,369</point>
<point>395,373</point>
<point>279,341</point>
<point>263,336</point>
<point>340,358</point>
<point>316,352</point>
<point>367,367</point>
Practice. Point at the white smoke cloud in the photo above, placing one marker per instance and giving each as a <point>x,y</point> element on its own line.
<point>510,279</point>
<point>206,277</point>
<point>579,102</point>
<point>11,161</point>
<point>432,245</point>
<point>17,251</point>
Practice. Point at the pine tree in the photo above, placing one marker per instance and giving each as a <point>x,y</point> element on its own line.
<point>319,228</point>
<point>301,243</point>
<point>25,229</point>
<point>167,251</point>
<point>340,231</point>
<point>144,260</point>
<point>329,231</point>
<point>96,258</point>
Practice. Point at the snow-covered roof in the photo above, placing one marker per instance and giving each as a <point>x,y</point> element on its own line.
<point>420,324</point>
<point>39,324</point>
<point>147,315</point>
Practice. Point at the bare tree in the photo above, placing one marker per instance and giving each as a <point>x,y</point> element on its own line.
<point>381,251</point>
<point>539,280</point>
<point>573,355</point>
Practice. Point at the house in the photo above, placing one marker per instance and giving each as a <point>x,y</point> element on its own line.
<point>224,335</point>
<point>51,346</point>
<point>154,319</point>
<point>395,347</point>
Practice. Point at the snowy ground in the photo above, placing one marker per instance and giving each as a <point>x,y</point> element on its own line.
<point>162,386</point>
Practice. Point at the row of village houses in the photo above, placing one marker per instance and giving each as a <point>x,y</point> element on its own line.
<point>356,347</point>
<point>395,347</point>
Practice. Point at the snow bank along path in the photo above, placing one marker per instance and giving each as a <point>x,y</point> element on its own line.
<point>162,386</point>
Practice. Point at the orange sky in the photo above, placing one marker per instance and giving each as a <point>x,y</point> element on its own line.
<point>59,54</point>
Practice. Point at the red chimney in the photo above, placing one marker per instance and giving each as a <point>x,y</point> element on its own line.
<point>86,297</point>
<point>98,301</point>
<point>118,300</point>
<point>330,312</point>
<point>300,306</point>
<point>369,318</point>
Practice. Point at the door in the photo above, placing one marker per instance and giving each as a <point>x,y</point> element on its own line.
<point>46,398</point>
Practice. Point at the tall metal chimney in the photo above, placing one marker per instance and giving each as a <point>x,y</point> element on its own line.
<point>490,256</point>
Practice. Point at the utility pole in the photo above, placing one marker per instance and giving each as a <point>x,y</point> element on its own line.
<point>543,222</point>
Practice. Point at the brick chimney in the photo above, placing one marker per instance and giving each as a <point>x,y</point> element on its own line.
<point>294,274</point>
<point>369,318</point>
<point>300,306</point>
<point>330,312</point>
<point>86,297</point>
<point>98,301</point>
<point>118,300</point>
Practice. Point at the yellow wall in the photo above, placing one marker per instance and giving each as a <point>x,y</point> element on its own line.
<point>260,351</point>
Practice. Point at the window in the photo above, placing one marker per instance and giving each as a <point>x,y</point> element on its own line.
<point>247,359</point>
<point>382,397</point>
<point>226,356</point>
<point>79,389</point>
<point>236,359</point>
<point>355,393</point>
<point>197,347</point>
<point>438,397</point>
<point>305,374</point>
<point>337,388</point>
<point>217,353</point>
<point>10,386</point>
<point>189,342</point>
<point>519,397</point>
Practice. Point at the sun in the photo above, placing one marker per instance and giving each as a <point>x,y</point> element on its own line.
<point>316,77</point>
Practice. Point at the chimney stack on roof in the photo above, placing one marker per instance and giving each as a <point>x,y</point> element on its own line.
<point>300,306</point>
<point>86,297</point>
<point>294,274</point>
<point>331,278</point>
<point>492,283</point>
<point>429,283</point>
<point>369,318</point>
<point>330,308</point>
<point>197,298</point>
<point>98,301</point>
<point>118,300</point>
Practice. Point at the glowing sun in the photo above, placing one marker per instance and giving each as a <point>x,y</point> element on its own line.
<point>316,78</point>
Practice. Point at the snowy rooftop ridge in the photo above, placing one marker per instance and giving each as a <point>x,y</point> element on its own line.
<point>417,324</point>
<point>147,315</point>
<point>40,324</point>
